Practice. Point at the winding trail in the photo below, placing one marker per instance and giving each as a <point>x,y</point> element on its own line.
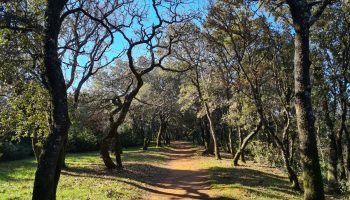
<point>182,178</point>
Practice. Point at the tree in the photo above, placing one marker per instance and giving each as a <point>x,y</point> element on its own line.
<point>191,54</point>
<point>303,19</point>
<point>157,43</point>
<point>49,166</point>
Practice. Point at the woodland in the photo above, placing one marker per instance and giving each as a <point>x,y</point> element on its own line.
<point>174,99</point>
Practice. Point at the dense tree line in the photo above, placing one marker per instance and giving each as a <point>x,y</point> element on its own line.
<point>264,80</point>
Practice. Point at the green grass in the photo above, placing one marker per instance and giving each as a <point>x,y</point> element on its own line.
<point>86,176</point>
<point>251,181</point>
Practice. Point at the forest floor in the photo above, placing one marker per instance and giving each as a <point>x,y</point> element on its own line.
<point>176,172</point>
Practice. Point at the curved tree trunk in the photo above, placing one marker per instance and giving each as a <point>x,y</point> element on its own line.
<point>212,132</point>
<point>245,143</point>
<point>49,167</point>
<point>104,152</point>
<point>293,178</point>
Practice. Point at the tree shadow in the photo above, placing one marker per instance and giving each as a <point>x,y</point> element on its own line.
<point>253,181</point>
<point>151,179</point>
<point>10,168</point>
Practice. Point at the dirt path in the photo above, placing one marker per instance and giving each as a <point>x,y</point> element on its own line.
<point>182,177</point>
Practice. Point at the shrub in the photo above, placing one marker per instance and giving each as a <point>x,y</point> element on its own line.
<point>81,139</point>
<point>16,151</point>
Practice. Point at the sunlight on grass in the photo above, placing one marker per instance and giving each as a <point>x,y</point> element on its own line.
<point>251,181</point>
<point>86,176</point>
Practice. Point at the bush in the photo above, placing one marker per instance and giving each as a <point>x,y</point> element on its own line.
<point>16,151</point>
<point>266,153</point>
<point>130,137</point>
<point>81,139</point>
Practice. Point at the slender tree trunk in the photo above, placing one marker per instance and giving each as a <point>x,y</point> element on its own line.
<point>36,148</point>
<point>240,136</point>
<point>49,167</point>
<point>167,139</point>
<point>293,178</point>
<point>212,132</point>
<point>209,140</point>
<point>332,172</point>
<point>312,178</point>
<point>230,134</point>
<point>245,143</point>
<point>204,140</point>
<point>145,141</point>
<point>161,131</point>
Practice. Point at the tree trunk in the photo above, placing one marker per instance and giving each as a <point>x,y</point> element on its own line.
<point>167,139</point>
<point>49,167</point>
<point>245,143</point>
<point>230,134</point>
<point>145,141</point>
<point>313,184</point>
<point>104,152</point>
<point>118,150</point>
<point>212,132</point>
<point>64,164</point>
<point>242,157</point>
<point>240,136</point>
<point>340,152</point>
<point>161,132</point>
<point>347,136</point>
<point>36,147</point>
<point>332,172</point>
<point>293,178</point>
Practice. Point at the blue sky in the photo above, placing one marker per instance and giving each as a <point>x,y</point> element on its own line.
<point>120,43</point>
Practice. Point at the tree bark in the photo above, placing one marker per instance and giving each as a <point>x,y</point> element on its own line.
<point>160,134</point>
<point>230,134</point>
<point>118,150</point>
<point>240,136</point>
<point>145,140</point>
<point>49,167</point>
<point>35,147</point>
<point>104,152</point>
<point>312,178</point>
<point>347,136</point>
<point>293,178</point>
<point>332,172</point>
<point>212,132</point>
<point>245,143</point>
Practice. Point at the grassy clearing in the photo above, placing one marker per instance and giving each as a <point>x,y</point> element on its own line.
<point>86,177</point>
<point>249,181</point>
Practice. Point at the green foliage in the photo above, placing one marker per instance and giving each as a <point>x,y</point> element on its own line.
<point>25,114</point>
<point>16,150</point>
<point>188,96</point>
<point>81,139</point>
<point>266,153</point>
